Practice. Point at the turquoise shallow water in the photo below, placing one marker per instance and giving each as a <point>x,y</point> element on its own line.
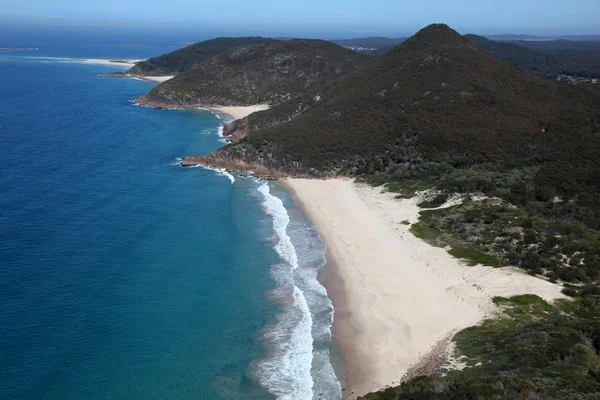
<point>126,276</point>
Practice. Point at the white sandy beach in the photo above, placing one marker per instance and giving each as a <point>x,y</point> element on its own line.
<point>239,112</point>
<point>128,64</point>
<point>150,78</point>
<point>98,61</point>
<point>394,295</point>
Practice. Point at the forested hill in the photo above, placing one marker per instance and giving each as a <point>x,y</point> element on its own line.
<point>436,99</point>
<point>258,73</point>
<point>188,57</point>
<point>574,59</point>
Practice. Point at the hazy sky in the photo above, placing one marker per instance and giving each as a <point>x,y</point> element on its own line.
<point>361,16</point>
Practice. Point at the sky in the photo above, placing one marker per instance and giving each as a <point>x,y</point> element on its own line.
<point>326,18</point>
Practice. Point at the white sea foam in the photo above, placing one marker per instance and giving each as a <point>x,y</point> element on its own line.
<point>177,161</point>
<point>311,255</point>
<point>52,58</point>
<point>222,138</point>
<point>227,174</point>
<point>221,171</point>
<point>274,207</point>
<point>286,372</point>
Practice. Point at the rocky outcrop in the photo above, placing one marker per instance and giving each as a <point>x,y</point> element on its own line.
<point>232,164</point>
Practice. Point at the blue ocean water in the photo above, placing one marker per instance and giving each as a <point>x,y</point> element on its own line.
<point>126,276</point>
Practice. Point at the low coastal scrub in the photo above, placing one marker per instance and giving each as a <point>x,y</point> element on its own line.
<point>548,238</point>
<point>533,350</point>
<point>435,201</point>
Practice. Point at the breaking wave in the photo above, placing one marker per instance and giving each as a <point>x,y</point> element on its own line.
<point>298,366</point>
<point>286,372</point>
<point>221,171</point>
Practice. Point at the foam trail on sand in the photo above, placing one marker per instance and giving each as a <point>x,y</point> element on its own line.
<point>286,372</point>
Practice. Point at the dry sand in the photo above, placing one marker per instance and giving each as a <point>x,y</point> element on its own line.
<point>394,295</point>
<point>239,112</point>
<point>97,61</point>
<point>128,64</point>
<point>158,79</point>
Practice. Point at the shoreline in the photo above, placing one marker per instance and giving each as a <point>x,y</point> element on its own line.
<point>157,79</point>
<point>230,112</point>
<point>331,281</point>
<point>148,78</point>
<point>395,297</point>
<point>100,61</point>
<point>238,112</point>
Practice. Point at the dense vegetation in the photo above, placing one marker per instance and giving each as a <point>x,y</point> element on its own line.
<point>534,350</point>
<point>269,72</point>
<point>438,100</point>
<point>557,239</point>
<point>189,57</point>
<point>549,58</point>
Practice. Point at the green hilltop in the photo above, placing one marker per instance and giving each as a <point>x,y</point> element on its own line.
<point>261,73</point>
<point>435,97</point>
<point>189,57</point>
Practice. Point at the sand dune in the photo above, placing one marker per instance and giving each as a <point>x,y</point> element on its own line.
<point>395,296</point>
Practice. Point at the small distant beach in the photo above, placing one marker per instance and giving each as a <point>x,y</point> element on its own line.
<point>396,298</point>
<point>127,64</point>
<point>239,112</point>
<point>121,63</point>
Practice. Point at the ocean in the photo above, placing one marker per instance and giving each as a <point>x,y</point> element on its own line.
<point>124,275</point>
